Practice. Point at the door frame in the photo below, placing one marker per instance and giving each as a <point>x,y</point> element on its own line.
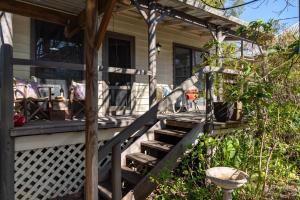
<point>105,75</point>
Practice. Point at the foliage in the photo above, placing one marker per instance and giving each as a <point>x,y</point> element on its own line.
<point>267,147</point>
<point>220,4</point>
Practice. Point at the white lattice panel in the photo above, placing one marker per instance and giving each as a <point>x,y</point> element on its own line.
<point>49,172</point>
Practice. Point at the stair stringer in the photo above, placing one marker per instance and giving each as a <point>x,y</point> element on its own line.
<point>136,145</point>
<point>142,190</point>
<point>104,170</point>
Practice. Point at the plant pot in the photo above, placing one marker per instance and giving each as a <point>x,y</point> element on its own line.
<point>223,111</point>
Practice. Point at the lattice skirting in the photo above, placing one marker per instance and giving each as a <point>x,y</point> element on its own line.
<point>49,172</point>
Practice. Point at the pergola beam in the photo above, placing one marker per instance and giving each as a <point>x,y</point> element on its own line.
<point>104,23</point>
<point>36,12</point>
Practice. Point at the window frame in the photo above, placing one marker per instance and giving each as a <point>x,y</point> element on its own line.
<point>192,54</point>
<point>105,74</point>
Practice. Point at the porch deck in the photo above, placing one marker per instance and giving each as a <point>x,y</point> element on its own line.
<point>47,127</point>
<point>106,122</point>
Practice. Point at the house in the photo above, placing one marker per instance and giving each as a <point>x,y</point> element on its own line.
<point>49,155</point>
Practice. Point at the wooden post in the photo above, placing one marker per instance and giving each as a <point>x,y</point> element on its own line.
<point>116,172</point>
<point>209,117</point>
<point>152,56</point>
<point>219,62</point>
<point>7,148</point>
<point>91,102</point>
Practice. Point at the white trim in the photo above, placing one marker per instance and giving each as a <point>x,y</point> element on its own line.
<point>60,139</point>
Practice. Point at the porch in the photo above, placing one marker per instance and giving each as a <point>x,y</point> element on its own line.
<point>47,158</point>
<point>108,122</point>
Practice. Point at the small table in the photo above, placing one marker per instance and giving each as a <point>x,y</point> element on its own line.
<point>59,109</point>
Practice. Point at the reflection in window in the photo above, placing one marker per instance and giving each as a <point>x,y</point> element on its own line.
<point>52,45</point>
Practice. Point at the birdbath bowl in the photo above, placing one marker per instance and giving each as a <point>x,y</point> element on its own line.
<point>227,178</point>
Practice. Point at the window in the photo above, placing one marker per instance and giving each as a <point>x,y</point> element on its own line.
<point>62,57</point>
<point>52,45</point>
<point>185,59</point>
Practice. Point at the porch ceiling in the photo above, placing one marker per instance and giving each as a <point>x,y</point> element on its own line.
<point>196,10</point>
<point>68,6</point>
<point>193,8</point>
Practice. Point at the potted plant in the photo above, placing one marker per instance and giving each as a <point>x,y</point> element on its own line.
<point>223,111</point>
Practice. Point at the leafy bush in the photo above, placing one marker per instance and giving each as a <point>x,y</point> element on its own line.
<point>267,147</point>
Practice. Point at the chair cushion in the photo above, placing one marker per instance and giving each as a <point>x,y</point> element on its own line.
<point>79,90</point>
<point>32,91</point>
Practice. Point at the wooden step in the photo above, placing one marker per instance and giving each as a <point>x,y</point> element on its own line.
<point>171,132</point>
<point>105,189</point>
<point>227,125</point>
<point>130,175</point>
<point>180,123</point>
<point>157,145</point>
<point>142,159</point>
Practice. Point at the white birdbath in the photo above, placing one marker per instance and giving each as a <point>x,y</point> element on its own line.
<point>227,178</point>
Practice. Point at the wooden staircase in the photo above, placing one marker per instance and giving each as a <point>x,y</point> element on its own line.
<point>151,144</point>
<point>160,147</point>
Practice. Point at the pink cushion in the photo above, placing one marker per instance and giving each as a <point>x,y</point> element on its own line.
<point>79,90</point>
<point>26,90</point>
<point>32,90</point>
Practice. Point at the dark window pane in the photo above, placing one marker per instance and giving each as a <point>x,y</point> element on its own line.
<point>182,64</point>
<point>52,45</point>
<point>185,59</point>
<point>119,55</point>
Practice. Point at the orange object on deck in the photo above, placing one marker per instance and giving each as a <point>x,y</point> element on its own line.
<point>192,94</point>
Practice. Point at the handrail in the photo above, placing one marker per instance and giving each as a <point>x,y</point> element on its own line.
<point>149,116</point>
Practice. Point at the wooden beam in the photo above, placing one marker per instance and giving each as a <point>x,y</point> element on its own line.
<point>91,102</point>
<point>104,23</point>
<point>116,172</point>
<point>35,12</point>
<point>172,22</point>
<point>47,64</point>
<point>7,148</point>
<point>75,25</point>
<point>119,70</point>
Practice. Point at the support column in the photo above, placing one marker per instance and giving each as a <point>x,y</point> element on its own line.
<point>91,102</point>
<point>152,56</point>
<point>116,173</point>
<point>209,118</point>
<point>7,148</point>
<point>219,62</point>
